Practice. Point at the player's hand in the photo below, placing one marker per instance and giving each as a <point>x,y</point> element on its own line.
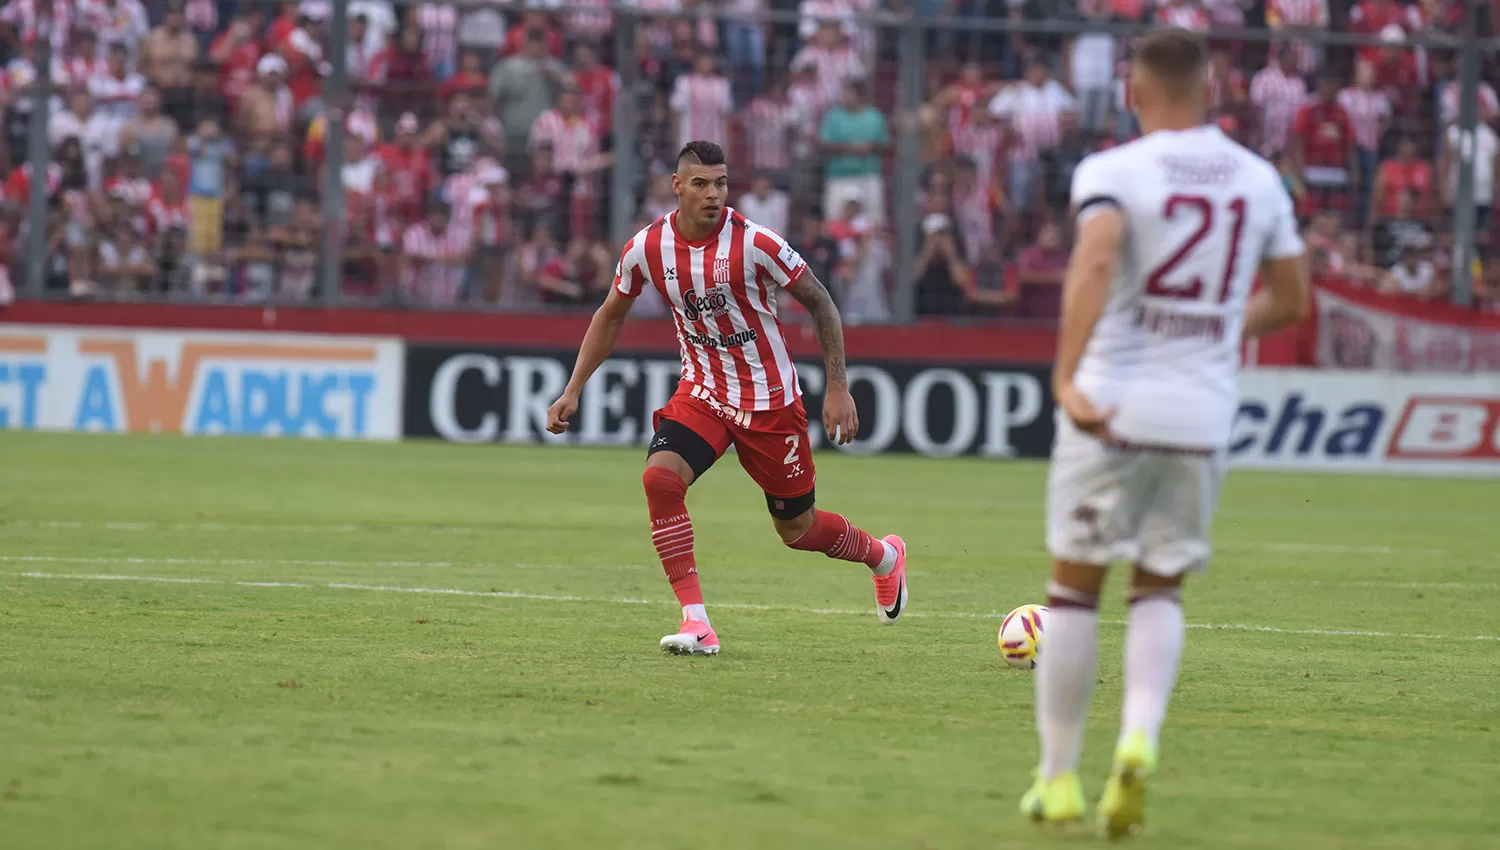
<point>1082,412</point>
<point>839,416</point>
<point>560,412</point>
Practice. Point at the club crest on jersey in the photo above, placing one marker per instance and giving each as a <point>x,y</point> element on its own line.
<point>714,302</point>
<point>721,270</point>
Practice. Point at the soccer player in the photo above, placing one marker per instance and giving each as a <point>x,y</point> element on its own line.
<point>1172,230</point>
<point>722,274</point>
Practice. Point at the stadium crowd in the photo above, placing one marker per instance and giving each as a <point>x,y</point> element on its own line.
<point>187,140</point>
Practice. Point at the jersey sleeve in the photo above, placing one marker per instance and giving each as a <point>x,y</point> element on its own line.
<point>630,278</point>
<point>1095,188</point>
<point>1284,241</point>
<point>778,258</point>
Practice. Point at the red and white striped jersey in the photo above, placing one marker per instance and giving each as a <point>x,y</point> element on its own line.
<point>723,292</point>
<point>115,97</point>
<point>433,280</point>
<point>80,69</point>
<point>588,18</point>
<point>573,141</point>
<point>1279,96</point>
<point>22,14</point>
<point>984,143</point>
<point>702,104</point>
<point>766,124</point>
<point>1309,14</point>
<point>835,67</point>
<point>439,34</point>
<point>1448,102</point>
<point>1367,109</point>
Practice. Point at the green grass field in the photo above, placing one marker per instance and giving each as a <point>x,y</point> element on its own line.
<point>220,643</point>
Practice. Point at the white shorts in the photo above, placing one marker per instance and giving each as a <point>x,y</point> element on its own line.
<point>1151,507</point>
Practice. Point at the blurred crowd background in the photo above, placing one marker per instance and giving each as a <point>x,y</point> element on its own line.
<point>493,155</point>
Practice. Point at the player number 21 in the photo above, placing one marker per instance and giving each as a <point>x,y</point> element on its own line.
<point>1158,284</point>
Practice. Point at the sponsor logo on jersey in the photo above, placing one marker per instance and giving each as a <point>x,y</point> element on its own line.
<point>713,303</point>
<point>789,256</point>
<point>716,341</point>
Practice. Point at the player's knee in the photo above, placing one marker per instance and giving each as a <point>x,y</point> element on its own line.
<point>793,529</point>
<point>663,484</point>
<point>1146,585</point>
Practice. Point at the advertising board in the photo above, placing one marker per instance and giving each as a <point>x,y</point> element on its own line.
<point>91,379</point>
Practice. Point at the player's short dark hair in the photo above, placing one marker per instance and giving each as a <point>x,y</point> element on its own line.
<point>700,153</point>
<point>1177,57</point>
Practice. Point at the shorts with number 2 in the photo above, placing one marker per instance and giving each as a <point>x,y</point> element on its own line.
<point>771,444</point>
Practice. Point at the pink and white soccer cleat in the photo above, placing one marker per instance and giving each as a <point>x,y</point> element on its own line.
<point>694,638</point>
<point>890,590</point>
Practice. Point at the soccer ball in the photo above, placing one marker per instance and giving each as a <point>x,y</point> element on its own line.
<point>1021,636</point>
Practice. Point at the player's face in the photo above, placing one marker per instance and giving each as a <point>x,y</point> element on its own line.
<point>700,191</point>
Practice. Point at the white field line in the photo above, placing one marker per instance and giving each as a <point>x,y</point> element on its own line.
<point>375,527</point>
<point>622,600</point>
<point>274,562</point>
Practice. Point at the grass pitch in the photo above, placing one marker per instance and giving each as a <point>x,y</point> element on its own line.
<point>220,643</point>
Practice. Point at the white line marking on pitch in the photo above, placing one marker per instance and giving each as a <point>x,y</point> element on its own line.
<point>621,600</point>
<point>375,527</point>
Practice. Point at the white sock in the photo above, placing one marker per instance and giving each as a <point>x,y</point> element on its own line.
<point>1064,682</point>
<point>1153,651</point>
<point>696,612</point>
<point>888,561</point>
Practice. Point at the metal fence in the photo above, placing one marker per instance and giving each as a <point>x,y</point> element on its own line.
<point>492,156</point>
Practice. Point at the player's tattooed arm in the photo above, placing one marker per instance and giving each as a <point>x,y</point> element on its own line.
<point>813,295</point>
<point>839,414</point>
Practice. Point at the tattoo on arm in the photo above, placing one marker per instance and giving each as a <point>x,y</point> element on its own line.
<point>812,295</point>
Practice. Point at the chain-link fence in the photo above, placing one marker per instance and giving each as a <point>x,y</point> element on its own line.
<point>480,155</point>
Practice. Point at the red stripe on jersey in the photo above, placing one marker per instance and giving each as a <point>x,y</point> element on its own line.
<point>777,382</point>
<point>765,365</point>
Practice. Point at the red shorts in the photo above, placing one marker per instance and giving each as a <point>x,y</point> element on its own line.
<point>772,444</point>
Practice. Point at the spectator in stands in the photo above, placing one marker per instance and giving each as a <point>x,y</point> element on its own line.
<point>538,247</point>
<point>833,59</point>
<point>117,22</point>
<point>860,273</point>
<point>459,137</point>
<point>1323,145</point>
<point>400,71</point>
<point>470,79</point>
<point>1405,230</point>
<point>1090,69</point>
<point>168,59</point>
<point>151,132</point>
<point>439,25</point>
<point>1292,18</point>
<point>744,48</point>
<point>597,85</point>
<point>1229,92</point>
<point>765,204</point>
<point>701,102</point>
<point>976,209</point>
<point>96,134</point>
<point>576,155</point>
<point>213,160</point>
<point>1486,159</point>
<point>266,109</point>
<point>766,125</point>
<point>1415,276</point>
<point>579,275</point>
<point>1034,107</point>
<point>433,258</point>
<point>1369,111</point>
<point>854,136</point>
<point>1403,173</point>
<point>1040,269</point>
<point>1276,92</point>
<point>117,93</point>
<point>235,54</point>
<point>523,87</point>
<point>942,278</point>
<point>123,266</point>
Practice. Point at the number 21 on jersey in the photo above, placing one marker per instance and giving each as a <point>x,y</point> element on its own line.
<point>1175,277</point>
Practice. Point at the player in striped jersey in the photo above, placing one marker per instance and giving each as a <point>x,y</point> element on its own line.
<point>721,274</point>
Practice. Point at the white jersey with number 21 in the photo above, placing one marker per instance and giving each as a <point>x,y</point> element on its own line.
<point>1201,214</point>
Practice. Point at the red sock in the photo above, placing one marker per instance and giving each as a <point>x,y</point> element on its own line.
<point>837,537</point>
<point>672,532</point>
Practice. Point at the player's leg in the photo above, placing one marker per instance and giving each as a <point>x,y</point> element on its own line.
<point>774,451</point>
<point>1090,523</point>
<point>685,446</point>
<point>1174,540</point>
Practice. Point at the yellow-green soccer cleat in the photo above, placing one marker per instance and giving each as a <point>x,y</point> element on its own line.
<point>1057,801</point>
<point>1122,809</point>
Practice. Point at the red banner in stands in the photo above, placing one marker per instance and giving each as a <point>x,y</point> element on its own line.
<point>1361,329</point>
<point>927,341</point>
